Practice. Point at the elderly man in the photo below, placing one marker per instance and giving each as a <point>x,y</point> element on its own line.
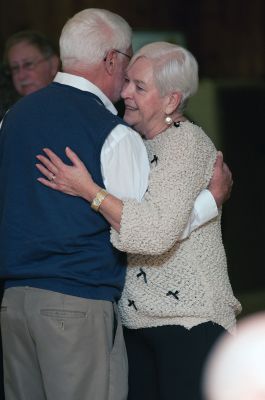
<point>61,332</point>
<point>32,61</point>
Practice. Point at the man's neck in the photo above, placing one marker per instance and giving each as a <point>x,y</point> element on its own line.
<point>95,74</point>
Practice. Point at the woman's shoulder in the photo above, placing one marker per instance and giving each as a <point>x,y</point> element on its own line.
<point>189,135</point>
<point>194,138</point>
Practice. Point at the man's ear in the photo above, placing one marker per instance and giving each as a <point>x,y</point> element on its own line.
<point>110,61</point>
<point>172,103</point>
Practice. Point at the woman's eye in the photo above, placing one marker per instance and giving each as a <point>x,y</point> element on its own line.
<point>139,88</point>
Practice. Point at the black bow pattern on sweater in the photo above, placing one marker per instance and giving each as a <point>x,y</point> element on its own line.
<point>174,294</point>
<point>155,159</point>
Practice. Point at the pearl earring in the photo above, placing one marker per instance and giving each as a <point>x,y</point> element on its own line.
<point>168,120</point>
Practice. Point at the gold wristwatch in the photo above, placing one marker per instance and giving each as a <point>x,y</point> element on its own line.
<point>100,196</point>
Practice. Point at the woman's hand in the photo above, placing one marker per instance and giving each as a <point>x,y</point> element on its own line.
<point>74,180</point>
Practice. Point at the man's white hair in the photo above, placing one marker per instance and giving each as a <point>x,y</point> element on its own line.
<point>90,34</point>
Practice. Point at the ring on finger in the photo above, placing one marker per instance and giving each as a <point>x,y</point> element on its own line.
<point>52,177</point>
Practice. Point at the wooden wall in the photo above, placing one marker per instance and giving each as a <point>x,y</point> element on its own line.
<point>227,36</point>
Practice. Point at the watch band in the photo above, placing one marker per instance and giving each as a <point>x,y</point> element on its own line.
<point>100,196</point>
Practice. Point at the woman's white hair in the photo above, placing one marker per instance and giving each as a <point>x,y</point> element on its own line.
<point>90,34</point>
<point>175,69</point>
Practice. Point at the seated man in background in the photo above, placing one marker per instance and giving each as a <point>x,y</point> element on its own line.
<point>32,61</point>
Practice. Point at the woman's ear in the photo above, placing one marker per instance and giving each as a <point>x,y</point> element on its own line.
<point>110,61</point>
<point>173,101</point>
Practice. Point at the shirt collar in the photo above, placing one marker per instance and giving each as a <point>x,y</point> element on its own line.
<point>83,84</point>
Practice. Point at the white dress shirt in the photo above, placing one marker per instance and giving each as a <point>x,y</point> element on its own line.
<point>124,162</point>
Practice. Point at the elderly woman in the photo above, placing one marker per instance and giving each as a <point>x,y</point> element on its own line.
<point>177,298</point>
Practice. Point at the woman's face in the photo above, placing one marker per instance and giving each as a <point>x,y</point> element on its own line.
<point>144,106</point>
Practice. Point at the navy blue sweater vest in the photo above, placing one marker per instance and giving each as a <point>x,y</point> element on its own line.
<point>48,239</point>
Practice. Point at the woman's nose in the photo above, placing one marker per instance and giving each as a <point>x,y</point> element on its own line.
<point>125,91</point>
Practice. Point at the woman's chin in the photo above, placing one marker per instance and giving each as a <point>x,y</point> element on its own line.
<point>129,119</point>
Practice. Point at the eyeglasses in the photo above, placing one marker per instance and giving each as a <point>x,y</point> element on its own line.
<point>118,51</point>
<point>26,66</point>
<point>124,54</point>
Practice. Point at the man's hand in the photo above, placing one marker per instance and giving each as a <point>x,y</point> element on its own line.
<point>221,183</point>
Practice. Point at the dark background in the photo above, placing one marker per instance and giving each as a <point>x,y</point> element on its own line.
<point>228,39</point>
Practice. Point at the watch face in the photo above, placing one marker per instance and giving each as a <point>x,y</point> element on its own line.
<point>100,196</point>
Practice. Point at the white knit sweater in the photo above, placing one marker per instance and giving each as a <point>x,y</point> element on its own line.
<point>170,282</point>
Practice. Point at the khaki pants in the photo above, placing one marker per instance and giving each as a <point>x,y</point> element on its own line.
<point>60,347</point>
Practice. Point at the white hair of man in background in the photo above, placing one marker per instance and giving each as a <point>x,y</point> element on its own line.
<point>236,367</point>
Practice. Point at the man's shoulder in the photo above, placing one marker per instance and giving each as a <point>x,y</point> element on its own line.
<point>124,134</point>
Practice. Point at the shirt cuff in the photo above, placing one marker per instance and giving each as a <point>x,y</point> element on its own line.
<point>205,207</point>
<point>203,211</point>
